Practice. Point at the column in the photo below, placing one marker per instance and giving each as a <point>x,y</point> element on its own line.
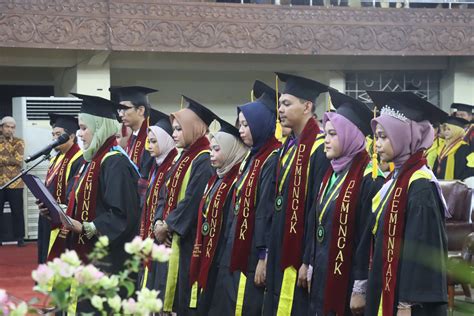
<point>457,83</point>
<point>91,76</point>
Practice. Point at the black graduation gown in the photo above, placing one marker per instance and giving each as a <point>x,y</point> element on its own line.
<point>361,246</point>
<point>117,207</point>
<point>117,213</point>
<point>145,164</point>
<point>44,225</point>
<point>461,170</point>
<point>317,168</point>
<point>224,300</point>
<point>182,221</point>
<point>422,271</point>
<point>206,295</point>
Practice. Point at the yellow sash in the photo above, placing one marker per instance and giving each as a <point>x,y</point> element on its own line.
<point>173,264</point>
<point>285,303</point>
<point>450,158</point>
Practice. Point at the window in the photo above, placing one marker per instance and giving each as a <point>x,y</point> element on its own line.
<point>424,83</point>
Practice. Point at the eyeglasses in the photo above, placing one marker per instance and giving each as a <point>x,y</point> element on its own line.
<point>119,111</point>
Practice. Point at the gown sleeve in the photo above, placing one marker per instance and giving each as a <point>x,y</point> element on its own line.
<point>462,169</point>
<point>265,203</point>
<point>422,271</point>
<point>320,164</point>
<point>184,215</point>
<point>146,163</point>
<point>120,215</point>
<point>361,257</point>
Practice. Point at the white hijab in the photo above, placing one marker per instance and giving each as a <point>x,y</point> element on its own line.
<point>165,143</point>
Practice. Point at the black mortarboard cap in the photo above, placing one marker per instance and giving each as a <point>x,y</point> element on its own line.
<point>462,107</point>
<point>135,94</point>
<point>454,120</point>
<point>206,115</point>
<point>68,122</point>
<point>98,106</point>
<point>407,105</point>
<point>266,95</point>
<point>161,119</point>
<point>302,88</point>
<point>354,110</point>
<point>228,128</point>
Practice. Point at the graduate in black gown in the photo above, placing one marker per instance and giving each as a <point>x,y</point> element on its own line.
<point>300,169</point>
<point>227,153</point>
<point>456,158</point>
<point>241,275</point>
<point>63,167</point>
<point>408,272</point>
<point>465,111</point>
<point>176,217</point>
<point>342,241</point>
<point>104,199</point>
<point>162,149</point>
<point>135,116</point>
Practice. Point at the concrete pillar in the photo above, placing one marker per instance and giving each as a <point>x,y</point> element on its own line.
<point>87,77</point>
<point>457,83</point>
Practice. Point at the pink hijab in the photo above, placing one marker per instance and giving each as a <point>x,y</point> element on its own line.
<point>351,140</point>
<point>407,136</point>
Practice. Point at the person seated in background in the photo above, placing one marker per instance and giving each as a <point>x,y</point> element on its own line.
<point>456,159</point>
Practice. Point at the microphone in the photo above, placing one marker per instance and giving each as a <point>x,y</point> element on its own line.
<point>59,141</point>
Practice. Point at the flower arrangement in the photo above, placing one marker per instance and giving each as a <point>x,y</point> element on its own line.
<point>66,280</point>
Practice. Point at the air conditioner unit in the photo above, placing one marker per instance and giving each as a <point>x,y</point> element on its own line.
<point>31,115</point>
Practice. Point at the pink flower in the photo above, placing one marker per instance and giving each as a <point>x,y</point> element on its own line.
<point>88,275</point>
<point>160,253</point>
<point>3,302</point>
<point>42,275</point>
<point>3,296</point>
<point>129,306</point>
<point>65,270</point>
<point>135,246</point>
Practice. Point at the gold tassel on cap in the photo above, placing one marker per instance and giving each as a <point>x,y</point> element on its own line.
<point>278,128</point>
<point>182,101</point>
<point>375,165</point>
<point>252,96</point>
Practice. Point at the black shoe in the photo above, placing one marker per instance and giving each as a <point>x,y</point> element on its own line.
<point>21,243</point>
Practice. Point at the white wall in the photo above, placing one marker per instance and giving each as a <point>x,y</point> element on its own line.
<point>221,91</point>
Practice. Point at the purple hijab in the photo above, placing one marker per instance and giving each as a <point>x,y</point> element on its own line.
<point>407,137</point>
<point>351,140</point>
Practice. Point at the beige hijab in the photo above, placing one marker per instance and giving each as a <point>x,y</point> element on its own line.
<point>193,127</point>
<point>234,151</point>
<point>456,133</point>
<point>102,129</point>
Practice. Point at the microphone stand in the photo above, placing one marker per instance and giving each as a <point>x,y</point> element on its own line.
<point>46,156</point>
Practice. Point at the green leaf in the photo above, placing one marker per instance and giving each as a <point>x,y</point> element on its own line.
<point>130,286</point>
